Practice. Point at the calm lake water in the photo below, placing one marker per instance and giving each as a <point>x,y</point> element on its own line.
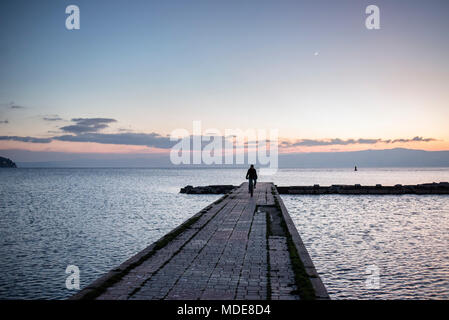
<point>98,218</point>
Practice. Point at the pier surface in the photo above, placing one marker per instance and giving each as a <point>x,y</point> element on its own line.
<point>237,248</point>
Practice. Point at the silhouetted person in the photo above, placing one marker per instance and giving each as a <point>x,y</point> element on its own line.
<point>252,176</point>
<point>355,168</point>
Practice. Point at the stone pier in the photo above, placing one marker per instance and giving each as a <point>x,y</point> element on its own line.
<point>237,248</point>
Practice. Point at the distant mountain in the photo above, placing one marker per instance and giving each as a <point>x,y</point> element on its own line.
<point>7,163</point>
<point>398,157</point>
<point>367,158</point>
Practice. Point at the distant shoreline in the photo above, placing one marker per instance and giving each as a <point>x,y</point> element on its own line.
<point>23,165</point>
<point>387,158</point>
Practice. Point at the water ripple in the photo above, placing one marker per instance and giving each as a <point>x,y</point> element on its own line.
<point>406,237</point>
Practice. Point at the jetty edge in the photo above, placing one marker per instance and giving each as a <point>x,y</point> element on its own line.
<point>378,189</point>
<point>237,248</point>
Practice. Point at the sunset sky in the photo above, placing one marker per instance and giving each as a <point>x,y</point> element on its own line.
<point>136,70</point>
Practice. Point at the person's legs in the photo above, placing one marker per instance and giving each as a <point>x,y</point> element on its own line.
<point>250,184</point>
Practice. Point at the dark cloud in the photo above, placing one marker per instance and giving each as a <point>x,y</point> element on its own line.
<point>341,142</point>
<point>136,139</point>
<point>92,121</point>
<point>368,141</point>
<point>153,140</point>
<point>254,142</point>
<point>87,125</point>
<point>78,129</point>
<point>56,118</point>
<point>11,105</point>
<point>156,140</point>
<point>4,121</point>
<point>331,142</point>
<point>415,139</point>
<point>26,139</point>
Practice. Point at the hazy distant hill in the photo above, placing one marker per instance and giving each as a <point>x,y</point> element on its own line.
<point>367,158</point>
<point>7,163</point>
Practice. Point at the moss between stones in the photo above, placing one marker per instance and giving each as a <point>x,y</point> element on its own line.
<point>269,233</point>
<point>305,287</point>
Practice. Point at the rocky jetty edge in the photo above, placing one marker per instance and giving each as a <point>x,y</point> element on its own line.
<point>425,188</point>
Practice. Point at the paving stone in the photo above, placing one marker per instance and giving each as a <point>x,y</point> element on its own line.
<point>223,255</point>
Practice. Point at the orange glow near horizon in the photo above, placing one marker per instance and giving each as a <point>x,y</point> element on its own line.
<point>78,147</point>
<point>90,147</point>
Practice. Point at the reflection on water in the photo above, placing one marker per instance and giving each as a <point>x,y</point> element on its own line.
<point>98,218</point>
<point>406,237</point>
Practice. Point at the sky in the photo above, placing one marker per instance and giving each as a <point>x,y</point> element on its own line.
<point>137,70</point>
